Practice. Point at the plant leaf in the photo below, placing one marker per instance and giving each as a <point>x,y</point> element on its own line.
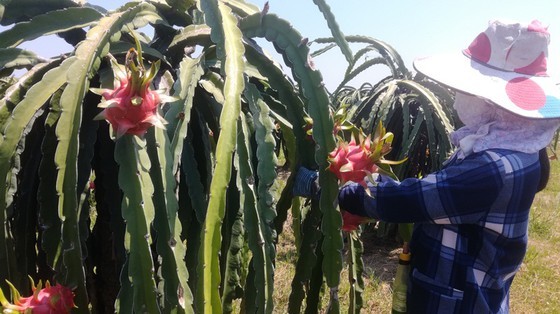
<point>307,258</point>
<point>18,58</point>
<point>179,113</point>
<point>260,276</point>
<point>287,93</point>
<point>355,273</point>
<point>138,212</point>
<point>242,8</point>
<point>20,10</point>
<point>287,41</point>
<point>335,29</point>
<point>227,36</point>
<point>169,245</point>
<point>49,23</point>
<point>266,173</point>
<point>85,62</point>
<point>12,132</point>
<point>46,195</point>
<point>232,247</point>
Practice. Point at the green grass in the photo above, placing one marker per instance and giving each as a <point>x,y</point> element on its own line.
<point>380,261</point>
<point>536,287</point>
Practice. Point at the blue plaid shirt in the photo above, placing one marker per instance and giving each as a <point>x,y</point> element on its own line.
<point>470,233</point>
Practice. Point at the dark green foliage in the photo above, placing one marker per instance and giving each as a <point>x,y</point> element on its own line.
<point>186,220</point>
<point>355,272</point>
<point>313,300</point>
<point>307,258</point>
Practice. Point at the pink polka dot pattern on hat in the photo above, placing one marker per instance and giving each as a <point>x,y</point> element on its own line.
<point>525,93</point>
<point>480,48</point>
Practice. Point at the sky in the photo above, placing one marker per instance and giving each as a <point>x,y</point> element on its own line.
<point>415,28</point>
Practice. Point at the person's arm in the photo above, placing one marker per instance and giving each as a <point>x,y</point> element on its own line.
<point>461,193</point>
<point>305,183</point>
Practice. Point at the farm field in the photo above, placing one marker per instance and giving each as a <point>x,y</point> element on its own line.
<point>149,160</point>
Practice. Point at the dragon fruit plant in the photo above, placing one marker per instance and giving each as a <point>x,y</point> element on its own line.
<point>183,218</point>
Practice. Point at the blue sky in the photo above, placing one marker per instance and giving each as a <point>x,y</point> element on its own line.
<point>414,28</point>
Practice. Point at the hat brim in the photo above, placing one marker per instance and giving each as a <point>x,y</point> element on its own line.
<point>525,95</point>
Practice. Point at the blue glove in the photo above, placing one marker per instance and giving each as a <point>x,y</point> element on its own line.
<point>351,199</point>
<point>306,184</point>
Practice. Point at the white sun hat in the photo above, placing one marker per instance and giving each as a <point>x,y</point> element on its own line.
<point>505,64</point>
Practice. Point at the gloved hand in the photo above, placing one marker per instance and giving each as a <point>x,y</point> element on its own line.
<point>351,202</point>
<point>351,199</point>
<point>305,183</point>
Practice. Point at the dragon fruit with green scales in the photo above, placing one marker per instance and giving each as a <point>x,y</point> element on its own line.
<point>132,106</point>
<point>52,299</point>
<point>357,160</point>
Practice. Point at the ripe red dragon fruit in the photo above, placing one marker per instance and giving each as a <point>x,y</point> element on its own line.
<point>355,161</point>
<point>350,222</point>
<point>132,106</point>
<point>49,300</point>
<point>352,162</point>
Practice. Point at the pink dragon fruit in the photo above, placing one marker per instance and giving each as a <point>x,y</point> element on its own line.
<point>356,161</point>
<point>132,106</point>
<point>352,162</point>
<point>49,300</point>
<point>350,222</point>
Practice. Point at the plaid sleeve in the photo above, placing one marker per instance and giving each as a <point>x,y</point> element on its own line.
<point>461,193</point>
<point>305,182</point>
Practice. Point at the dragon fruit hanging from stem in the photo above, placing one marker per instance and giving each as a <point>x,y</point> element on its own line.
<point>354,161</point>
<point>132,106</point>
